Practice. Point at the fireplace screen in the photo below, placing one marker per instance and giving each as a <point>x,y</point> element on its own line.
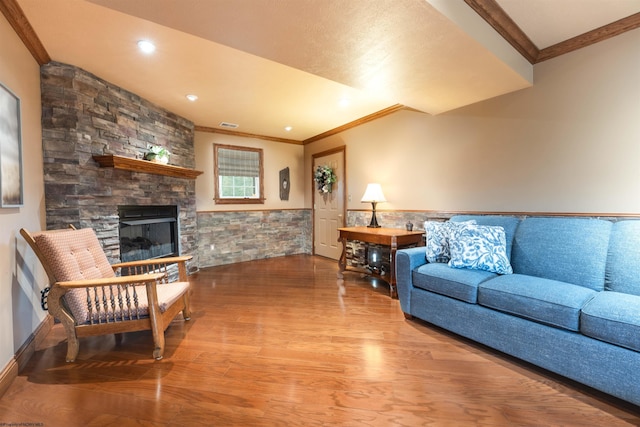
<point>148,232</point>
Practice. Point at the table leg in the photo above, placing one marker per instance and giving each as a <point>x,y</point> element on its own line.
<point>393,292</point>
<point>342,261</point>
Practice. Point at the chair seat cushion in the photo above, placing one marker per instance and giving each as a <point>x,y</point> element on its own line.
<point>613,317</point>
<point>456,283</point>
<point>543,300</point>
<point>76,300</point>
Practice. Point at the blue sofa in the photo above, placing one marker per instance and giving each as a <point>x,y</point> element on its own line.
<point>571,305</point>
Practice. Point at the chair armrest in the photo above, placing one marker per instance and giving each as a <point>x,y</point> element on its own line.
<point>121,280</point>
<point>155,264</point>
<point>154,261</point>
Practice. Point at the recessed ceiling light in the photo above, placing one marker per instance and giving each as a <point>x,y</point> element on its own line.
<point>146,46</point>
<point>288,128</point>
<point>192,98</point>
<point>344,102</point>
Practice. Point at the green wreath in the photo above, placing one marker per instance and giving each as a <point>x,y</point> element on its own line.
<point>324,178</point>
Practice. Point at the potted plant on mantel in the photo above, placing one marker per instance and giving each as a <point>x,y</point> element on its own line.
<point>157,154</point>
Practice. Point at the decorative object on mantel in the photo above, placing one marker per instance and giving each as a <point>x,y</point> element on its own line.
<point>157,154</point>
<point>324,177</point>
<point>373,195</point>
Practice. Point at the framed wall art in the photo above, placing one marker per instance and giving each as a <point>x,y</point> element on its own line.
<point>11,195</point>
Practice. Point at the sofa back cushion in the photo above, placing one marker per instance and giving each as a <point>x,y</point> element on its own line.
<point>623,259</point>
<point>509,223</point>
<point>572,250</point>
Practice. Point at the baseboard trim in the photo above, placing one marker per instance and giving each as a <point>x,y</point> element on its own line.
<point>24,353</point>
<point>8,374</point>
<point>27,349</point>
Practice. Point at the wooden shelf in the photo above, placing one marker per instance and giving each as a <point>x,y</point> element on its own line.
<point>145,166</point>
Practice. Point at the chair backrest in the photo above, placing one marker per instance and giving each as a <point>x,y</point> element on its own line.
<point>70,254</point>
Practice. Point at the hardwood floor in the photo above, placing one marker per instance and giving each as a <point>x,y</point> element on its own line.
<point>281,342</point>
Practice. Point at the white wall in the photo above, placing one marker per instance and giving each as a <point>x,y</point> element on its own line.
<point>21,277</point>
<point>276,156</point>
<point>571,143</point>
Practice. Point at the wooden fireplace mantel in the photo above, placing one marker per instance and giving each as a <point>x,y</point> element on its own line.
<point>144,166</point>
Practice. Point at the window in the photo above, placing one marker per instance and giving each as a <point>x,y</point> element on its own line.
<point>238,174</point>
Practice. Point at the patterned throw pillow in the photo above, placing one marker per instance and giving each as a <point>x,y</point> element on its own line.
<point>437,241</point>
<point>479,247</point>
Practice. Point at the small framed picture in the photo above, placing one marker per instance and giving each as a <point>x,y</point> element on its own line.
<point>10,150</point>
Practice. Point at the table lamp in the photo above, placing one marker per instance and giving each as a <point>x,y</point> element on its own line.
<point>373,195</point>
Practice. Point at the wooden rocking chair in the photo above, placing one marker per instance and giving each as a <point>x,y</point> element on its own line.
<point>89,299</point>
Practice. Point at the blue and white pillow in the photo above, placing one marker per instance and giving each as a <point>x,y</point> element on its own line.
<point>479,247</point>
<point>437,242</point>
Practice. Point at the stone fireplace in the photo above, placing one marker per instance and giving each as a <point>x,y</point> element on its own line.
<point>83,116</point>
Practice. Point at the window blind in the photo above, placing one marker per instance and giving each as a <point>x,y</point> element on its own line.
<point>238,163</point>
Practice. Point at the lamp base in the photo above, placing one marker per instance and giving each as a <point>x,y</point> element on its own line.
<point>374,223</point>
<point>374,220</point>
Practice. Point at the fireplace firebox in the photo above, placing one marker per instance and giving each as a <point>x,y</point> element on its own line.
<point>148,232</point>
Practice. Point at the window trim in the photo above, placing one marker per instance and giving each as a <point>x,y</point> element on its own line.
<point>216,177</point>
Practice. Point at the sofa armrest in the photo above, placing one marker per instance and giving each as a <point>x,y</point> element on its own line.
<point>407,260</point>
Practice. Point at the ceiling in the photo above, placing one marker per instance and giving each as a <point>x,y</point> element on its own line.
<point>313,65</point>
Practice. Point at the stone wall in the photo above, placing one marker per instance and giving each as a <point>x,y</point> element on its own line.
<point>83,115</point>
<point>395,219</point>
<point>230,237</point>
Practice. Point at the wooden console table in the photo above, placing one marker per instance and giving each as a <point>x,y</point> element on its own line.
<point>394,238</point>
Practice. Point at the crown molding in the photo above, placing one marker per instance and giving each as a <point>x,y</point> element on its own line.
<point>358,122</point>
<point>14,14</point>
<point>245,134</point>
<point>599,34</point>
<point>495,16</point>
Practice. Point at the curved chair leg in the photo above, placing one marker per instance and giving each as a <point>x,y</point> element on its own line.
<point>73,347</point>
<point>57,311</point>
<point>186,312</point>
<point>158,351</point>
<point>157,327</point>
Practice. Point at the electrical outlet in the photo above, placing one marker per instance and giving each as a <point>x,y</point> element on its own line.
<point>349,198</point>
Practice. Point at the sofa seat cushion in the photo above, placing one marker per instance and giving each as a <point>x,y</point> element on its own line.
<point>168,293</point>
<point>543,300</point>
<point>458,283</point>
<point>613,317</point>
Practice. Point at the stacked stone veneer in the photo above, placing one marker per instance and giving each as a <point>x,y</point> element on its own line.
<point>83,115</point>
<point>230,237</point>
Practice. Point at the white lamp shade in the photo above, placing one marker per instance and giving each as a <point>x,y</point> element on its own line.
<point>373,194</point>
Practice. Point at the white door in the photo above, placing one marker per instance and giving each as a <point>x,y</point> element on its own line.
<point>328,208</point>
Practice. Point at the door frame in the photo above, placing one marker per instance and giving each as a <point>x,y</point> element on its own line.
<point>343,149</point>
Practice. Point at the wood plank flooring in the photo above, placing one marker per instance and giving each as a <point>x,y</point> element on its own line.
<point>282,342</point>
